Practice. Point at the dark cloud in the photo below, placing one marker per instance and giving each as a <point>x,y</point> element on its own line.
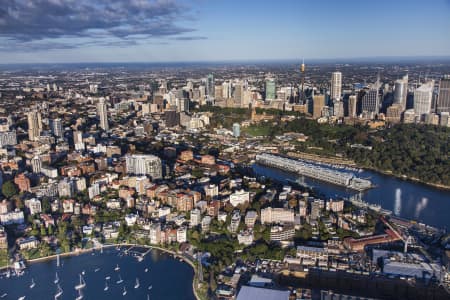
<point>28,21</point>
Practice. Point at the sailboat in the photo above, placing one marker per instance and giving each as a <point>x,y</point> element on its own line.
<point>59,292</point>
<point>80,295</point>
<point>81,285</point>
<point>32,285</point>
<point>56,278</point>
<point>120,280</point>
<point>136,285</point>
<point>124,291</point>
<point>106,286</point>
<point>117,268</point>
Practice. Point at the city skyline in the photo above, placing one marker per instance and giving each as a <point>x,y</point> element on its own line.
<point>55,31</point>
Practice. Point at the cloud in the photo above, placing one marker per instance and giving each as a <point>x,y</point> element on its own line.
<point>121,21</point>
<point>189,38</point>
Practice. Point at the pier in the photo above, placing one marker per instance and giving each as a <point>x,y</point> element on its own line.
<point>348,180</point>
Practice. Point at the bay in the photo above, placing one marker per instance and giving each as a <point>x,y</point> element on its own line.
<point>168,277</point>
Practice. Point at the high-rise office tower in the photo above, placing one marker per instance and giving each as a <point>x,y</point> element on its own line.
<point>336,85</point>
<point>318,104</point>
<point>102,112</point>
<point>238,92</point>
<point>34,125</point>
<point>270,88</point>
<point>423,97</point>
<point>226,90</point>
<point>56,127</point>
<point>210,86</point>
<point>338,108</point>
<point>401,91</point>
<point>443,103</point>
<point>370,102</point>
<point>352,100</point>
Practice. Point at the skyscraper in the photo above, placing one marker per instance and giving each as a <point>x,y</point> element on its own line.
<point>318,104</point>
<point>210,86</point>
<point>56,127</point>
<point>102,112</point>
<point>34,125</point>
<point>270,88</point>
<point>423,97</point>
<point>352,100</point>
<point>336,85</point>
<point>443,103</point>
<point>371,100</point>
<point>401,91</point>
<point>238,92</point>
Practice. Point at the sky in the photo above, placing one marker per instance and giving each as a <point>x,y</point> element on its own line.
<point>52,31</point>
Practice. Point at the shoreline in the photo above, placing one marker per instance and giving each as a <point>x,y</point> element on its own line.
<point>320,159</point>
<point>84,251</point>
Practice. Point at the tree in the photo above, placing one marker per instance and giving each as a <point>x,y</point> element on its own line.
<point>9,189</point>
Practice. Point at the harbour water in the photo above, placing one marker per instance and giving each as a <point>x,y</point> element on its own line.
<point>404,198</point>
<point>160,276</point>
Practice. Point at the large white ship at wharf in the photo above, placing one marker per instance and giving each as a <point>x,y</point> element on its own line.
<point>348,180</point>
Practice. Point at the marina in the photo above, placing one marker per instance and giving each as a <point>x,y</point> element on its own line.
<point>166,277</point>
<point>345,179</point>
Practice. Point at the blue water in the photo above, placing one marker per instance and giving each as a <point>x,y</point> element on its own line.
<point>404,198</point>
<point>169,278</point>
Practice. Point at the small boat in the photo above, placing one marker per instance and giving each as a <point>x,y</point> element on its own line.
<point>108,277</point>
<point>120,280</point>
<point>148,297</point>
<point>83,272</point>
<point>106,286</point>
<point>21,298</point>
<point>137,284</point>
<point>80,295</point>
<point>56,278</point>
<point>82,283</point>
<point>59,292</point>
<point>3,295</point>
<point>140,258</point>
<point>146,270</point>
<point>124,291</point>
<point>117,268</point>
<point>96,270</point>
<point>150,287</point>
<point>32,285</point>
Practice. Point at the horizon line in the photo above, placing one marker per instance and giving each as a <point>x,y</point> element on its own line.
<point>262,60</point>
